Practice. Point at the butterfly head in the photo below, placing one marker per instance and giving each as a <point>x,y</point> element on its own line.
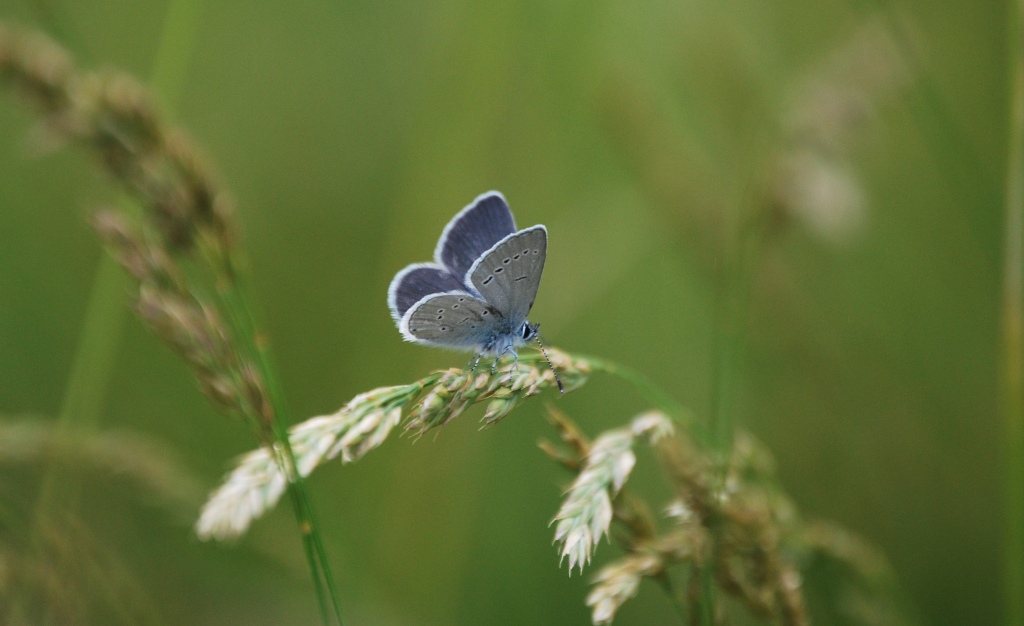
<point>528,332</point>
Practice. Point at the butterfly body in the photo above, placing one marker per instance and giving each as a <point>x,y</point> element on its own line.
<point>476,294</point>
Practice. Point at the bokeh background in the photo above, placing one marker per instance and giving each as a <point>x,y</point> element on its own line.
<point>640,133</point>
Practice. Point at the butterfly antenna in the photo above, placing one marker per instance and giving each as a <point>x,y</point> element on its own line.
<point>561,387</point>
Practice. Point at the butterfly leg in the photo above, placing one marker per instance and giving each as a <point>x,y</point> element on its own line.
<point>512,371</point>
<point>471,366</point>
<point>501,354</point>
<point>515,363</point>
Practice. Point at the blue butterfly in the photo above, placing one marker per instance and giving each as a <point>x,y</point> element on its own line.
<point>476,294</point>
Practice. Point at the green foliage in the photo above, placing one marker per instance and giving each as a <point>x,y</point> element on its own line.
<point>861,148</point>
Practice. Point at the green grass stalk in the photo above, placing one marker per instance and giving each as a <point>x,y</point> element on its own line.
<point>731,327</point>
<point>1012,366</point>
<point>954,154</point>
<point>177,41</point>
<point>101,331</point>
<point>89,377</point>
<point>658,397</point>
<point>235,295</point>
<point>729,346</point>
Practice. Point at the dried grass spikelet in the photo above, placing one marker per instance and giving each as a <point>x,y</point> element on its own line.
<point>116,117</point>
<point>649,551</point>
<point>458,389</point>
<point>865,587</point>
<point>159,165</point>
<point>180,248</point>
<point>142,260</point>
<point>53,569</point>
<point>586,514</point>
<point>154,470</point>
<point>257,483</point>
<point>815,182</point>
<point>750,521</point>
<point>67,575</point>
<point>619,581</point>
<point>821,192</point>
<point>739,524</point>
<point>729,518</point>
<point>839,94</point>
<point>40,69</point>
<point>188,320</point>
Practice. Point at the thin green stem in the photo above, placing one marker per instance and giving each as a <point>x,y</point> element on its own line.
<point>101,327</point>
<point>235,295</point>
<point>645,387</point>
<point>731,329</point>
<point>678,602</point>
<point>706,608</point>
<point>181,24</point>
<point>89,377</point>
<point>729,345</point>
<point>1012,369</point>
<point>177,41</point>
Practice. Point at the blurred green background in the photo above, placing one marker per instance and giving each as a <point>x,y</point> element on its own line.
<point>639,133</point>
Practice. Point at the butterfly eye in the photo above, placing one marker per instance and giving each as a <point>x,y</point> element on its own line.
<point>527,331</point>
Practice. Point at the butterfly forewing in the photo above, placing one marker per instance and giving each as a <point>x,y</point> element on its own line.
<point>508,275</point>
<point>453,320</point>
<point>473,231</point>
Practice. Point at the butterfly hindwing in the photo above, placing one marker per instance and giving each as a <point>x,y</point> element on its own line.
<point>455,320</point>
<point>508,275</point>
<point>473,231</point>
<point>416,281</point>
